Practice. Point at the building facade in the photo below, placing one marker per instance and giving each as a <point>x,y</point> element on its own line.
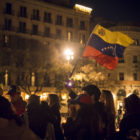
<point>125,78</point>
<point>27,25</point>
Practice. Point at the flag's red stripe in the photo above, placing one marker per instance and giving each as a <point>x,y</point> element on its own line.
<point>105,60</point>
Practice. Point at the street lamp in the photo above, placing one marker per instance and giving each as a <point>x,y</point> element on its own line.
<point>69,55</point>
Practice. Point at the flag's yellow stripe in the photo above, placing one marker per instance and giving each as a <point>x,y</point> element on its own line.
<point>112,37</point>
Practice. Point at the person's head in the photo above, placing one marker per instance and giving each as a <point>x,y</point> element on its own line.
<point>92,91</point>
<point>132,104</point>
<point>7,112</point>
<point>34,99</point>
<point>14,93</point>
<point>1,91</point>
<point>107,98</point>
<point>53,100</point>
<point>81,100</point>
<point>5,108</point>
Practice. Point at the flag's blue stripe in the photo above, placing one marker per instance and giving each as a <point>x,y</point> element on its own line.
<point>106,48</point>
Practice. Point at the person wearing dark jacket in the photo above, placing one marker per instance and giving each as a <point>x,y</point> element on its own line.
<point>79,127</point>
<point>11,125</point>
<point>98,109</point>
<point>54,104</point>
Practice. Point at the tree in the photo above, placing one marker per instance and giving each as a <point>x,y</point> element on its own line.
<point>87,73</point>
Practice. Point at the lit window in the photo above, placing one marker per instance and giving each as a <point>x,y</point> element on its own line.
<point>69,36</point>
<point>82,38</point>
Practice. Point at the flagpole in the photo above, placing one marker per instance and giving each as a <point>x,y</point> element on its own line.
<point>80,55</point>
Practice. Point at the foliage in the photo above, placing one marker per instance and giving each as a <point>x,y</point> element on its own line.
<point>88,74</point>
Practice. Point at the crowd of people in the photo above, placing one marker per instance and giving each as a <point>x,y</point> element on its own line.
<point>91,116</point>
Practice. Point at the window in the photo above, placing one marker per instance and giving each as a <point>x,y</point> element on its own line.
<point>47,31</point>
<point>136,42</point>
<point>109,75</point>
<point>8,24</point>
<point>46,80</point>
<point>82,25</point>
<point>47,17</point>
<point>19,61</point>
<point>5,41</point>
<point>135,59</point>
<point>69,36</point>
<point>23,11</point>
<point>121,76</point>
<point>34,29</point>
<point>121,60</point>
<point>69,22</point>
<point>135,76</point>
<point>59,20</point>
<point>22,27</point>
<point>58,33</point>
<point>8,9</point>
<point>82,38</point>
<point>35,14</point>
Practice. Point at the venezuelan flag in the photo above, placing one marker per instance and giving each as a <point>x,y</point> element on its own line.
<point>106,47</point>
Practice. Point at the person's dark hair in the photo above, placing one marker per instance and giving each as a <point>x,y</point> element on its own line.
<point>7,112</point>
<point>34,99</point>
<point>109,101</point>
<point>92,90</point>
<point>132,104</point>
<point>54,100</point>
<point>13,89</point>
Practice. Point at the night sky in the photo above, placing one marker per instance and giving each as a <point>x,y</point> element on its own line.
<point>115,10</point>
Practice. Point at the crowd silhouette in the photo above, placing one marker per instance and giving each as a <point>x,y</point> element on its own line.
<point>91,116</point>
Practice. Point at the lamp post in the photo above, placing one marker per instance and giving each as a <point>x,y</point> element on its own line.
<point>69,55</point>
